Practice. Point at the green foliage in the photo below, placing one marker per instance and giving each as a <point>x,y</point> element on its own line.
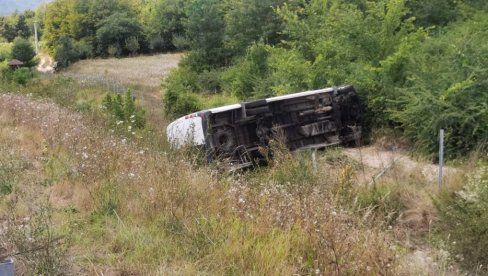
<point>124,111</point>
<point>132,45</point>
<point>10,166</point>
<point>67,52</point>
<point>446,89</point>
<point>16,25</point>
<point>179,99</point>
<point>22,75</point>
<point>291,72</point>
<point>5,50</point>
<point>58,22</point>
<point>178,104</point>
<point>114,31</point>
<point>209,81</point>
<point>249,77</point>
<point>462,224</point>
<point>250,21</point>
<point>205,31</point>
<point>23,50</point>
<point>165,25</point>
<point>433,12</point>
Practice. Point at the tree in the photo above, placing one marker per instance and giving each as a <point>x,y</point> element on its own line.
<point>23,50</point>
<point>7,29</point>
<point>21,27</point>
<point>165,23</point>
<point>115,30</point>
<point>248,21</point>
<point>205,31</point>
<point>58,22</point>
<point>433,12</point>
<point>447,89</point>
<point>66,51</point>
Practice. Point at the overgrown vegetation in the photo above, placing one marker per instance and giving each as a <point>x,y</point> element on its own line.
<point>89,186</point>
<point>463,218</point>
<point>408,64</point>
<point>124,111</point>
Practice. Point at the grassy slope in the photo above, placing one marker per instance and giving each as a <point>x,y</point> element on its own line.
<point>131,205</point>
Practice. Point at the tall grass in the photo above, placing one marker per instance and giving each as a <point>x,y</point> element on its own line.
<point>133,205</point>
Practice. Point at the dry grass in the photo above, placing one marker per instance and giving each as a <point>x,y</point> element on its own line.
<point>142,74</point>
<point>158,212</point>
<point>143,70</point>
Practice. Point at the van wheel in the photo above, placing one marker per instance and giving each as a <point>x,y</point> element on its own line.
<point>225,140</point>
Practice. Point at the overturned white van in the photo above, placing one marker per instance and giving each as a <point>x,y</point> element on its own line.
<point>305,120</point>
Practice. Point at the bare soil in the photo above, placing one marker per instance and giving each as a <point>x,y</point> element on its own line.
<point>376,160</point>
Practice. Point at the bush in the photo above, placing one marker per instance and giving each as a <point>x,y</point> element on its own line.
<point>179,104</point>
<point>463,221</point>
<point>209,81</point>
<point>179,98</point>
<point>181,42</point>
<point>249,77</point>
<point>132,45</point>
<point>446,88</point>
<point>22,50</point>
<point>22,75</point>
<point>124,111</point>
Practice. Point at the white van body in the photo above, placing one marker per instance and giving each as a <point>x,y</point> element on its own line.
<point>310,119</point>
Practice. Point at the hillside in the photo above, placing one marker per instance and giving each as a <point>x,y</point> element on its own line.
<point>90,184</point>
<point>8,7</point>
<point>113,194</point>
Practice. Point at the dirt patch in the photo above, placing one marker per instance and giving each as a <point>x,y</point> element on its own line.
<point>374,160</point>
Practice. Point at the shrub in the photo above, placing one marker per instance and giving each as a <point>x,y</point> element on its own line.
<point>22,50</point>
<point>132,45</point>
<point>209,81</point>
<point>446,89</point>
<point>181,42</point>
<point>179,86</point>
<point>462,223</point>
<point>249,77</point>
<point>22,75</point>
<point>157,43</point>
<point>114,31</point>
<point>114,50</point>
<point>178,104</point>
<point>125,111</point>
